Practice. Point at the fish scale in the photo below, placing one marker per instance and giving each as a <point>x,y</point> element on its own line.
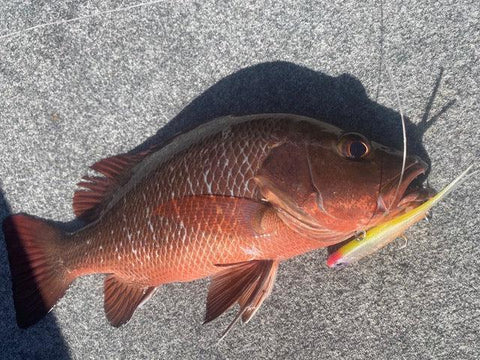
<point>229,199</point>
<point>180,176</point>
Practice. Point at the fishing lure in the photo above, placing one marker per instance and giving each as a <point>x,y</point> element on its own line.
<point>381,235</point>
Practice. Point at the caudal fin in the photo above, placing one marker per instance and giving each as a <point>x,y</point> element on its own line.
<point>38,277</point>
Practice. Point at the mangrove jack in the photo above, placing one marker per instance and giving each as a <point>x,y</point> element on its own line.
<point>229,200</point>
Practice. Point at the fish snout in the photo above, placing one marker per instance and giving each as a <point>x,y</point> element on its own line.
<point>400,185</point>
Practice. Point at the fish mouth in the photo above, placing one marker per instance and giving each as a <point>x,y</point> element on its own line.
<point>398,197</point>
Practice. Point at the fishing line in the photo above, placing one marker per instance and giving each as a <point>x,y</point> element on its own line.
<point>404,131</point>
<point>64,21</point>
<point>382,52</point>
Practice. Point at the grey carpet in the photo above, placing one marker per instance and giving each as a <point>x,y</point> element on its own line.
<point>76,92</point>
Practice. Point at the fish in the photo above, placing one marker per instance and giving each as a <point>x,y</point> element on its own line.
<point>229,200</point>
<point>381,235</point>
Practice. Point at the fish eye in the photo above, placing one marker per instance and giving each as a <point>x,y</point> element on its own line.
<point>353,146</point>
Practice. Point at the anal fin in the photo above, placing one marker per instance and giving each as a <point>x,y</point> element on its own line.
<point>248,283</point>
<point>122,298</point>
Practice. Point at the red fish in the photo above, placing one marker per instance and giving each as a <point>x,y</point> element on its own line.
<point>229,200</point>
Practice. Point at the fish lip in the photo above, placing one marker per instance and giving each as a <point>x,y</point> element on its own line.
<point>389,194</point>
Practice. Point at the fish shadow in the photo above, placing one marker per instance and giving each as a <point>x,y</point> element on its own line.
<point>285,87</point>
<point>44,340</point>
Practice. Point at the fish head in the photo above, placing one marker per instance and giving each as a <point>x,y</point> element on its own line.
<point>332,184</point>
<point>357,181</point>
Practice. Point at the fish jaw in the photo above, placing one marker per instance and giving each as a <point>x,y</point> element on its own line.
<point>381,235</point>
<point>393,201</point>
<point>395,197</point>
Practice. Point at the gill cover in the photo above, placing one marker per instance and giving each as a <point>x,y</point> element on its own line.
<point>285,181</point>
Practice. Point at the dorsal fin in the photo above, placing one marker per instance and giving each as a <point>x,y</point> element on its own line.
<point>96,191</point>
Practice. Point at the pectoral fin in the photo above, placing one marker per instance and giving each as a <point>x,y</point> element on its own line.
<point>217,214</point>
<point>248,283</point>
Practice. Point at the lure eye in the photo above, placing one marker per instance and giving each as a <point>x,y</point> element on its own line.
<point>340,265</point>
<point>353,146</point>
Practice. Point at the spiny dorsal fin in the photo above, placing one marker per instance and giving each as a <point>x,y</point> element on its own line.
<point>248,283</point>
<point>96,191</point>
<point>122,298</point>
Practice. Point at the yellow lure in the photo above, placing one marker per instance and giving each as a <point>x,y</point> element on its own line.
<point>381,235</point>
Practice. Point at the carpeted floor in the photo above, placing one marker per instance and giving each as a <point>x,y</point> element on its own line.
<point>75,92</point>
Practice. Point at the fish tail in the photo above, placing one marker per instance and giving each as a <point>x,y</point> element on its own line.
<point>39,278</point>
